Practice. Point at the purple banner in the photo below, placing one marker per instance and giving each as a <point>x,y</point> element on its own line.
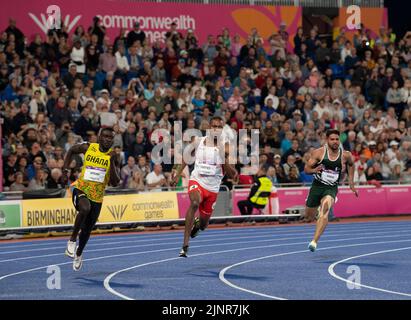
<point>372,201</point>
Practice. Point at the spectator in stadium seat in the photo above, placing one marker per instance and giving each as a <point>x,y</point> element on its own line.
<point>18,185</point>
<point>359,176</point>
<point>134,61</point>
<point>55,180</point>
<point>83,124</point>
<point>98,29</point>
<point>293,150</point>
<point>291,163</point>
<point>143,166</point>
<point>138,148</point>
<point>107,61</point>
<point>122,63</point>
<point>128,170</point>
<point>396,173</point>
<point>156,180</point>
<point>406,177</point>
<point>157,102</point>
<point>78,58</point>
<point>38,182</point>
<point>174,36</point>
<point>135,35</point>
<point>235,99</point>
<point>137,182</point>
<point>158,72</point>
<point>9,170</point>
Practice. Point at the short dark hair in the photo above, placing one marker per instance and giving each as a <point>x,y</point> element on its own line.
<point>111,130</point>
<point>332,131</point>
<point>265,167</point>
<point>216,118</point>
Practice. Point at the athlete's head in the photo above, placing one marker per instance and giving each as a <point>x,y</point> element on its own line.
<point>216,126</point>
<point>333,139</point>
<point>262,170</point>
<point>106,138</point>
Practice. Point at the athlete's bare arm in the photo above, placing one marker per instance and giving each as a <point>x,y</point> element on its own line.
<point>348,158</point>
<point>76,149</point>
<point>176,174</point>
<point>229,169</point>
<point>115,164</point>
<point>311,166</point>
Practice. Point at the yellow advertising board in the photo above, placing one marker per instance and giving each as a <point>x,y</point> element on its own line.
<point>48,212</point>
<point>115,209</point>
<point>140,207</point>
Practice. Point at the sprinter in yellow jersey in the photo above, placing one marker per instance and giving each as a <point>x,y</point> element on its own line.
<point>101,167</point>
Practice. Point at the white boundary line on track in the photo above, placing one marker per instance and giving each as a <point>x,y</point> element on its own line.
<point>224,271</point>
<point>203,239</point>
<point>221,275</point>
<point>333,274</point>
<point>218,244</point>
<point>178,235</point>
<point>178,248</point>
<point>210,232</point>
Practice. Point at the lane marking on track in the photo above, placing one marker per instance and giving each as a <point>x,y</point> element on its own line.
<point>203,238</point>
<point>221,275</point>
<point>211,240</point>
<point>333,274</point>
<point>210,233</point>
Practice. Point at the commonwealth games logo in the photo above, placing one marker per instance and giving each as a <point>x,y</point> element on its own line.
<point>117,211</point>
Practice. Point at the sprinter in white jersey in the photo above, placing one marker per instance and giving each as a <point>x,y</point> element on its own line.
<point>205,180</point>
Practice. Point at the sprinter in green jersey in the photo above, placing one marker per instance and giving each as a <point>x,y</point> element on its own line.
<point>326,164</point>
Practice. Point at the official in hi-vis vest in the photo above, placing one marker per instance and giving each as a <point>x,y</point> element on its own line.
<point>259,194</point>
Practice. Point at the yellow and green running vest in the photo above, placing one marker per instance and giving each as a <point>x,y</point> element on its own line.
<point>263,192</point>
<point>94,176</point>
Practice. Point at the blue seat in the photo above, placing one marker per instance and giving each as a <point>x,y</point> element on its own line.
<point>338,70</point>
<point>100,77</point>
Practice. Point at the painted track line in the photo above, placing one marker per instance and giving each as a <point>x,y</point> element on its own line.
<point>15,259</point>
<point>176,249</point>
<point>221,275</point>
<point>333,274</point>
<point>205,236</point>
<point>210,232</point>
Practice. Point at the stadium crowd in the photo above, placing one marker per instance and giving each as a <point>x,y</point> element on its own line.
<point>60,91</point>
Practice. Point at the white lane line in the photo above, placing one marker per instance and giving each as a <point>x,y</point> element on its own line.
<point>333,274</point>
<point>221,275</point>
<point>210,232</point>
<point>207,235</point>
<point>227,282</point>
<point>175,249</point>
<point>219,243</point>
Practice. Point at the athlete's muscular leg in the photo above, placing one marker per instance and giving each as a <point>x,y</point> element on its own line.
<point>195,199</point>
<point>84,209</point>
<point>204,220</point>
<point>87,227</point>
<point>310,213</point>
<point>326,204</point>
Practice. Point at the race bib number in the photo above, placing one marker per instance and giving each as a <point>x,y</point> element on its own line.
<point>329,176</point>
<point>207,169</point>
<point>95,174</point>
